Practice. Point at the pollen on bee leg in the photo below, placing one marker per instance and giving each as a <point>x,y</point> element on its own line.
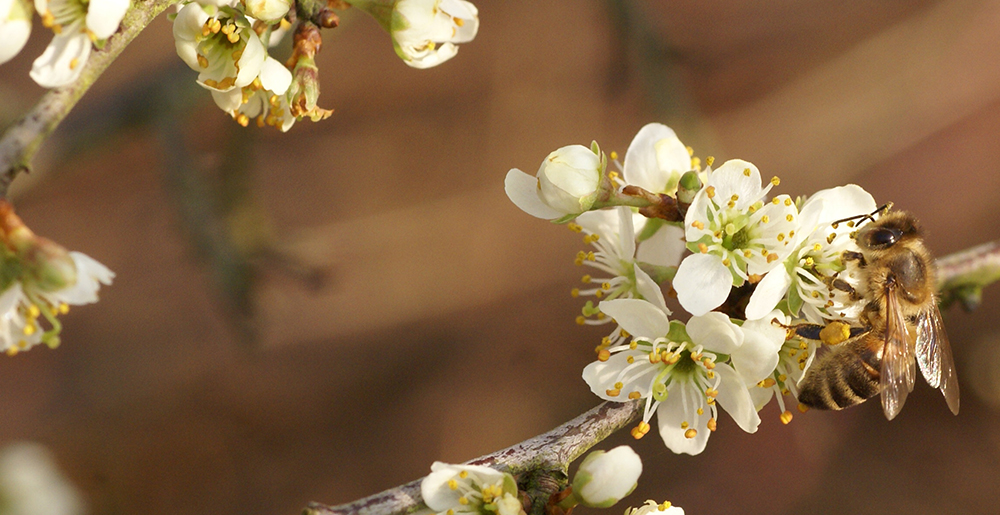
<point>786,417</point>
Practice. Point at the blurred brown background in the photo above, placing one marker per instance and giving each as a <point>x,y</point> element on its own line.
<point>402,310</point>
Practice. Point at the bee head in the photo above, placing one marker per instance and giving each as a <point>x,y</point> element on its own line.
<point>887,231</point>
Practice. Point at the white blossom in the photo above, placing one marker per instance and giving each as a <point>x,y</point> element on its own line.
<point>15,27</point>
<point>652,508</point>
<point>268,11</point>
<point>425,32</point>
<point>604,478</point>
<point>736,234</point>
<point>77,26</point>
<point>220,44</point>
<point>452,489</point>
<point>815,260</point>
<point>263,99</point>
<point>679,372</point>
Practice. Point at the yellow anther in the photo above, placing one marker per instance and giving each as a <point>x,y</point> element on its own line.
<point>851,223</point>
<point>702,248</point>
<point>603,355</point>
<point>711,424</point>
<point>575,292</point>
<point>586,278</point>
<point>771,258</point>
<point>803,408</point>
<point>726,262</point>
<point>690,433</point>
<point>243,119</point>
<point>710,191</point>
<point>781,236</point>
<point>635,395</point>
<point>815,294</point>
<point>775,180</point>
<point>591,256</point>
<point>605,286</point>
<point>764,252</point>
<point>599,294</point>
<point>11,351</point>
<point>30,329</point>
<point>788,202</point>
<point>831,237</point>
<point>731,204</point>
<point>789,217</point>
<point>633,345</point>
<point>803,346</point>
<point>690,150</point>
<point>600,316</point>
<point>734,198</point>
<point>73,63</point>
<point>614,155</point>
<point>33,311</point>
<point>701,411</point>
<point>809,262</point>
<point>782,377</point>
<point>580,320</point>
<point>453,484</point>
<point>791,234</point>
<point>684,425</point>
<point>802,365</point>
<point>709,160</point>
<point>709,364</point>
<point>767,383</point>
<point>574,227</point>
<point>754,278</point>
<point>816,246</point>
<point>747,253</point>
<point>654,357</point>
<point>786,417</point>
<point>746,172</point>
<point>697,224</point>
<point>463,501</point>
<point>613,392</point>
<point>695,163</point>
<point>712,392</point>
<point>776,201</point>
<point>765,219</point>
<point>630,360</point>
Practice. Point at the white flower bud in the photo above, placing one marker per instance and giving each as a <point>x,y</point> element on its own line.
<point>269,11</point>
<point>604,478</point>
<point>569,179</point>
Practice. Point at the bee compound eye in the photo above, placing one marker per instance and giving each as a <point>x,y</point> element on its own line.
<point>881,238</point>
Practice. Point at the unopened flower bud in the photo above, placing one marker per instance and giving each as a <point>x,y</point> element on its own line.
<point>48,265</point>
<point>688,187</point>
<point>604,478</point>
<point>269,11</point>
<point>569,179</point>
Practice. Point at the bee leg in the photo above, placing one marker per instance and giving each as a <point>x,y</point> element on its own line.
<point>850,255</point>
<point>834,333</point>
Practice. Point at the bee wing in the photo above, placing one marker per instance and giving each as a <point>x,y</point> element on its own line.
<point>899,367</point>
<point>934,356</point>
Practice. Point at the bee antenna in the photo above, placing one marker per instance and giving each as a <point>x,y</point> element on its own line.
<point>870,216</point>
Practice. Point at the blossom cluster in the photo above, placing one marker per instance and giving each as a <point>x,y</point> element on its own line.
<point>39,280</point>
<point>746,265</point>
<point>228,42</point>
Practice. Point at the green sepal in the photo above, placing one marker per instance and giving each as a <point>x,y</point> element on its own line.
<point>650,227</point>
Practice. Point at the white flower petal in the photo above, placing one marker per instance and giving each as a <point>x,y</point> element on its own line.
<point>649,290</point>
<point>15,27</point>
<point>639,317</point>
<point>664,248</point>
<point>681,405</point>
<point>757,358</point>
<point>607,477</point>
<point>63,60</point>
<point>254,55</point>
<point>522,190</point>
<point>187,32</point>
<point>732,179</point>
<point>842,202</point>
<point>702,283</point>
<point>654,156</point>
<point>735,399</point>
<point>104,16</point>
<point>715,332</point>
<point>768,293</point>
<point>228,101</point>
<point>436,493</point>
<point>626,232</point>
<point>274,76</point>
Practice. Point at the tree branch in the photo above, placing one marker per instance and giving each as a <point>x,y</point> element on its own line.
<point>962,275</point>
<point>548,454</point>
<point>22,140</point>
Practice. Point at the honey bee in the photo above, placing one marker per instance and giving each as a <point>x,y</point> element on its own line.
<point>900,322</point>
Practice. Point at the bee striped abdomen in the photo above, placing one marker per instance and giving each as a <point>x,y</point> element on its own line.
<point>846,376</point>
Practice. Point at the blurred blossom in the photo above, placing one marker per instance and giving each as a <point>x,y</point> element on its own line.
<point>77,26</point>
<point>424,32</point>
<point>451,489</point>
<point>15,27</point>
<point>31,483</point>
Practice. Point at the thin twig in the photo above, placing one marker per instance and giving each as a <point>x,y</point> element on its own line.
<point>22,140</point>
